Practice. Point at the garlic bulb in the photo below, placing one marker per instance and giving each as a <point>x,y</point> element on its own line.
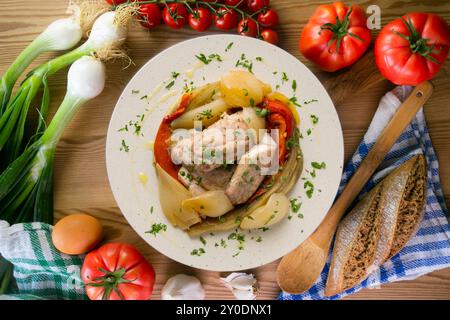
<point>242,285</point>
<point>183,287</point>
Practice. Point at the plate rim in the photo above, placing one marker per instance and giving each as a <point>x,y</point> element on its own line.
<point>108,138</point>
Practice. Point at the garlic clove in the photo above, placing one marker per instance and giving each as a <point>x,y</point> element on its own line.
<point>183,287</point>
<point>242,285</point>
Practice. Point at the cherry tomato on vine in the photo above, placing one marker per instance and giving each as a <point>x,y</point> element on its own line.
<point>226,19</point>
<point>248,27</point>
<point>150,15</point>
<point>255,5</point>
<point>175,15</point>
<point>200,19</point>
<point>234,2</point>
<point>268,18</point>
<point>270,36</point>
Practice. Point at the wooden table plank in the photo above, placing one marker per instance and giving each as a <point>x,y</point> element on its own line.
<point>81,183</point>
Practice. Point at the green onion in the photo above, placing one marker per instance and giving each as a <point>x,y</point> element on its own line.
<point>105,35</point>
<point>26,186</point>
<point>60,35</point>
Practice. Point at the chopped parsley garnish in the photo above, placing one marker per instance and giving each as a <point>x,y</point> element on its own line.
<point>259,59</point>
<point>202,240</point>
<point>151,209</point>
<point>208,59</point>
<point>134,91</point>
<point>308,132</point>
<point>314,119</point>
<point>205,114</point>
<point>264,229</point>
<point>236,254</point>
<point>198,252</point>
<point>221,219</point>
<point>252,102</point>
<point>310,101</point>
<point>175,74</point>
<point>259,239</point>
<point>170,85</point>
<point>260,112</point>
<point>294,85</point>
<point>309,187</point>
<point>223,243</point>
<point>239,237</point>
<point>229,46</point>
<point>284,78</point>
<point>124,146</point>
<point>124,128</point>
<point>245,63</point>
<point>295,101</point>
<point>295,205</point>
<point>144,97</point>
<point>157,228</point>
<point>292,142</point>
<point>318,166</point>
<point>271,218</point>
<point>188,87</point>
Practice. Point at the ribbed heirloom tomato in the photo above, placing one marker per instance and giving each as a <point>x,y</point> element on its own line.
<point>335,36</point>
<point>117,271</point>
<point>412,49</point>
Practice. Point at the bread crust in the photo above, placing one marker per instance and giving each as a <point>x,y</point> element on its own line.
<point>379,226</point>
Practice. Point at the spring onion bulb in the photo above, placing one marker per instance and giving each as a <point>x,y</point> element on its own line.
<point>60,35</point>
<point>108,33</point>
<point>26,186</point>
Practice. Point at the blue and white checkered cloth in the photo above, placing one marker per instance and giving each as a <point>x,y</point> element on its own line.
<point>429,249</point>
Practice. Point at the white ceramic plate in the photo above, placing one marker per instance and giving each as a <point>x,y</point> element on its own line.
<point>147,94</point>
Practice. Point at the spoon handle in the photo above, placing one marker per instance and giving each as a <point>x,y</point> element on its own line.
<point>401,119</point>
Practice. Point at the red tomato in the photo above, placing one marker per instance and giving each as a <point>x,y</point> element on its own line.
<point>117,271</point>
<point>268,18</point>
<point>150,15</point>
<point>226,19</point>
<point>412,49</point>
<point>201,19</point>
<point>175,15</point>
<point>270,36</point>
<point>234,2</point>
<point>248,27</point>
<point>256,5</point>
<point>116,2</point>
<point>335,36</point>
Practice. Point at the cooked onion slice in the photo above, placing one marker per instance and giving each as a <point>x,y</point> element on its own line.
<point>211,203</point>
<point>207,114</point>
<point>275,209</point>
<point>171,195</point>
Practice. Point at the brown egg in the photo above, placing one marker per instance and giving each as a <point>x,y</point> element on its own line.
<point>77,233</point>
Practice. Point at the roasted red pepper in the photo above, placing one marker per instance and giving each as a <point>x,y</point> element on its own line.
<point>281,118</point>
<point>161,147</point>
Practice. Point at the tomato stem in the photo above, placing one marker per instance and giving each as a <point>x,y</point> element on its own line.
<point>340,30</point>
<point>110,281</point>
<point>417,44</point>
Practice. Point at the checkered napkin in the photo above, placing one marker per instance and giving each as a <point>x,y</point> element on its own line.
<point>429,249</point>
<point>40,271</point>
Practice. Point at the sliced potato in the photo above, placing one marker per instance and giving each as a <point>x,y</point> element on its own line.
<point>204,94</point>
<point>211,203</point>
<point>171,195</point>
<point>207,114</point>
<point>242,89</point>
<point>275,209</point>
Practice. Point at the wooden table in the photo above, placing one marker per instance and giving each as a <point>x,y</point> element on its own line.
<point>81,183</point>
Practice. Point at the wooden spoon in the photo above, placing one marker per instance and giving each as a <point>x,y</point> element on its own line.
<point>299,269</point>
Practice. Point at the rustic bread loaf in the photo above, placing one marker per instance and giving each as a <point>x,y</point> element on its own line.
<point>379,226</point>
